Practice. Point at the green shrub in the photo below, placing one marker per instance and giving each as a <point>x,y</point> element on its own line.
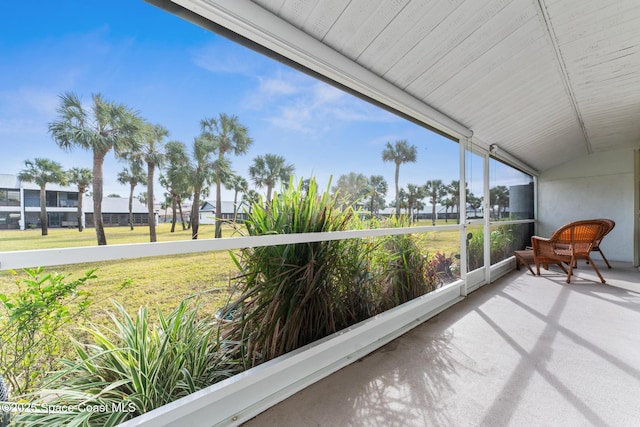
<point>440,270</point>
<point>135,368</point>
<point>503,241</point>
<point>401,268</point>
<point>291,295</point>
<point>29,343</point>
<point>404,271</point>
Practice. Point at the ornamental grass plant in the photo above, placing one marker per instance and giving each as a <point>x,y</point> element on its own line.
<point>291,295</point>
<point>133,368</point>
<point>401,268</point>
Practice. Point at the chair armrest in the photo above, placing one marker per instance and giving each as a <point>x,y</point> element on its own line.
<point>542,247</point>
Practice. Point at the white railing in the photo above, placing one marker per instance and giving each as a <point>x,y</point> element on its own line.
<point>78,255</point>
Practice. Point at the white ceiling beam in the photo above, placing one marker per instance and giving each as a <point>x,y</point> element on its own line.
<point>566,81</point>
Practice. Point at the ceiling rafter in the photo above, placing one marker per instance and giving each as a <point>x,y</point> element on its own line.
<point>566,80</point>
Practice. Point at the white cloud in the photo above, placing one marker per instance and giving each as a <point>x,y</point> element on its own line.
<point>276,87</point>
<point>41,101</point>
<point>296,102</point>
<point>217,57</point>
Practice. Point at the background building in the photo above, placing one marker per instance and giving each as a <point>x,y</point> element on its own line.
<point>20,206</point>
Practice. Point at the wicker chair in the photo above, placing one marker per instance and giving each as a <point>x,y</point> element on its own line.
<point>608,226</point>
<point>568,244</point>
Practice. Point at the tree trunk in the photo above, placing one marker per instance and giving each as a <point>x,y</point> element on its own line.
<point>132,186</point>
<point>218,215</point>
<point>235,207</point>
<point>79,214</point>
<point>98,179</point>
<point>397,190</point>
<point>195,214</point>
<point>152,217</point>
<point>433,212</point>
<point>184,227</point>
<point>174,216</point>
<point>371,207</point>
<point>44,225</point>
<point>268,201</point>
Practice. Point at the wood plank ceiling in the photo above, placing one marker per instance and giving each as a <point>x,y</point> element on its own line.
<point>546,80</point>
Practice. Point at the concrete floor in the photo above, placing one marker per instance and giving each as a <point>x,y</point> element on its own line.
<point>524,351</point>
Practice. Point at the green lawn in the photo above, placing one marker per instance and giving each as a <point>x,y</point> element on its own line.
<point>162,281</point>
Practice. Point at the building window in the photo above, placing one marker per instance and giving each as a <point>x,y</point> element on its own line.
<point>68,200</point>
<point>9,220</point>
<point>32,219</point>
<point>52,199</point>
<point>31,198</point>
<point>9,197</point>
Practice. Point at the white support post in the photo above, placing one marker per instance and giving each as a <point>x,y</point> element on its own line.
<point>487,226</point>
<point>463,224</point>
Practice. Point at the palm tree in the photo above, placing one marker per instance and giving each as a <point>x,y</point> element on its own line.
<point>400,152</point>
<point>414,194</point>
<point>249,198</point>
<point>268,170</point>
<point>175,178</point>
<point>228,136</point>
<point>199,172</point>
<point>376,191</point>
<point>499,197</point>
<point>350,189</point>
<point>454,190</point>
<point>239,185</point>
<point>448,203</point>
<point>154,156</point>
<point>142,198</point>
<point>41,172</point>
<point>81,177</point>
<point>474,202</point>
<point>132,177</point>
<point>165,204</point>
<point>104,127</point>
<point>419,206</point>
<point>435,190</point>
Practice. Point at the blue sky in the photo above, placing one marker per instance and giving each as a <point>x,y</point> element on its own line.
<point>175,74</point>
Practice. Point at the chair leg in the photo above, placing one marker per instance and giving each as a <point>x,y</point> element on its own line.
<point>596,269</point>
<point>604,258</point>
<point>571,264</point>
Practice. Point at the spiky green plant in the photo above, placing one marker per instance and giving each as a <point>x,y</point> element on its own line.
<point>133,368</point>
<point>292,295</point>
<point>401,267</point>
<point>359,293</point>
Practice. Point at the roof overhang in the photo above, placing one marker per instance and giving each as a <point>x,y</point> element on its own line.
<point>546,81</point>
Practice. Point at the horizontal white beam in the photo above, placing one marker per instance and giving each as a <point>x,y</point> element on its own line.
<point>79,255</point>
